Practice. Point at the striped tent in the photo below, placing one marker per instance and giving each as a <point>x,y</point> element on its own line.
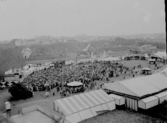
<point>83,106</point>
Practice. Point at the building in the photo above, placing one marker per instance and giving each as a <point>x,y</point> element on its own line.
<point>26,52</point>
<point>13,75</point>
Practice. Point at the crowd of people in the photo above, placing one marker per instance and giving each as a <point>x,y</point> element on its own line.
<point>91,74</point>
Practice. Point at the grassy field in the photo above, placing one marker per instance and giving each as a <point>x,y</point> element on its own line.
<point>124,116</point>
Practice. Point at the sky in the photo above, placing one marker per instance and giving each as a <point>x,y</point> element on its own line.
<point>31,18</point>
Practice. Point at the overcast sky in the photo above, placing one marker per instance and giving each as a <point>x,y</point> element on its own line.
<point>30,18</point>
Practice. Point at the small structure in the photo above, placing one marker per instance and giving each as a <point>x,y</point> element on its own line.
<point>161,55</point>
<point>119,100</point>
<point>75,83</point>
<point>110,59</point>
<point>70,62</point>
<point>151,61</point>
<point>8,108</point>
<point>26,52</point>
<point>149,102</point>
<point>46,94</point>
<point>146,71</point>
<point>162,96</point>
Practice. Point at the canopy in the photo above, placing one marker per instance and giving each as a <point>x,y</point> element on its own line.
<point>146,55</point>
<point>146,68</point>
<point>151,60</point>
<point>110,59</point>
<point>140,86</point>
<point>75,83</point>
<point>161,54</point>
<point>85,105</point>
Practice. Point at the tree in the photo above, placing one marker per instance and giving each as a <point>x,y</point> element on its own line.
<point>19,91</point>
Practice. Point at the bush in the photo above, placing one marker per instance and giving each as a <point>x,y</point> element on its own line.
<point>19,91</point>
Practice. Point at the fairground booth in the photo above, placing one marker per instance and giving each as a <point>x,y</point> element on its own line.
<point>159,56</point>
<point>146,71</point>
<point>151,61</point>
<point>141,92</point>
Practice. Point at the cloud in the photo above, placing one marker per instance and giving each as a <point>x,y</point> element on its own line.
<point>147,16</point>
<point>162,13</point>
<point>146,19</point>
<point>135,16</point>
<point>136,5</point>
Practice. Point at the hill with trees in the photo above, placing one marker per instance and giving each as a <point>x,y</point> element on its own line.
<point>11,54</point>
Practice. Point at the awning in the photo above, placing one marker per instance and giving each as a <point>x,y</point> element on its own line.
<point>75,83</point>
<point>146,68</point>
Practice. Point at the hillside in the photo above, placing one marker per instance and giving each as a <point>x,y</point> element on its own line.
<point>11,57</point>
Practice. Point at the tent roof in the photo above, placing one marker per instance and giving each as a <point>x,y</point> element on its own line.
<point>146,68</point>
<point>157,80</point>
<point>115,96</point>
<point>149,99</point>
<point>151,59</point>
<point>117,87</point>
<point>9,71</point>
<point>75,83</point>
<point>161,54</point>
<point>164,70</point>
<point>140,86</point>
<point>161,94</point>
<point>146,55</point>
<point>110,59</point>
<point>83,101</point>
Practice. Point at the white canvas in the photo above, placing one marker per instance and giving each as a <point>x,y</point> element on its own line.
<point>105,107</point>
<point>85,114</point>
<point>74,118</point>
<point>95,109</point>
<point>152,102</point>
<point>111,105</point>
<point>162,96</point>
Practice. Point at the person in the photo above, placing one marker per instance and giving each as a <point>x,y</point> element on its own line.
<point>8,108</point>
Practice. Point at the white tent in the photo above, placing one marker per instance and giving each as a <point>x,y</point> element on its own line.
<point>164,71</point>
<point>83,106</point>
<point>70,62</point>
<point>119,100</point>
<point>146,68</point>
<point>140,87</point>
<point>151,60</point>
<point>75,83</point>
<point>160,54</point>
<point>109,59</point>
<point>9,72</point>
<point>145,55</point>
<point>85,60</point>
<point>162,96</point>
<point>148,102</point>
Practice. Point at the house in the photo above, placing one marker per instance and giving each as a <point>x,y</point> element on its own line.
<point>26,52</point>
